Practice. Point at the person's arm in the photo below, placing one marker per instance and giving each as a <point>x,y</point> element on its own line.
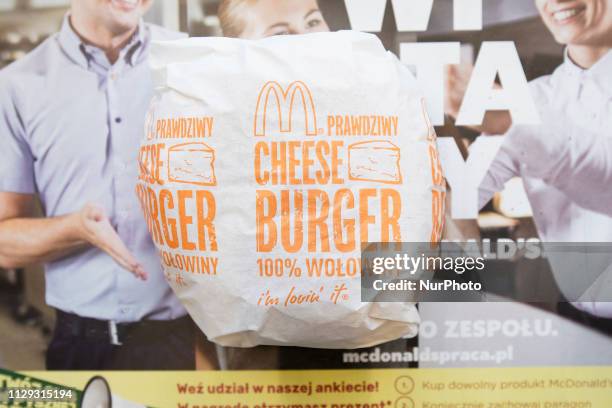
<point>576,161</point>
<point>503,168</point>
<point>25,240</point>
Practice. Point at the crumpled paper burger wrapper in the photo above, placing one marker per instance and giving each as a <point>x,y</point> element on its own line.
<point>265,166</point>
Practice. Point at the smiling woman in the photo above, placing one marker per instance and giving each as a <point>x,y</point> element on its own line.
<point>254,19</point>
<point>585,26</point>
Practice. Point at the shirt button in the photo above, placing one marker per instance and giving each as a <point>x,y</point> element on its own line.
<point>117,119</point>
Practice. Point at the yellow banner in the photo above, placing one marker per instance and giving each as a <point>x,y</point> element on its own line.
<point>552,387</point>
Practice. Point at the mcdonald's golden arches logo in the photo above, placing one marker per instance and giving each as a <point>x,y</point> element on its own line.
<point>284,100</point>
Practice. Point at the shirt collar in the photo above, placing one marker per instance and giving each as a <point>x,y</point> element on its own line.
<point>600,73</point>
<point>83,54</point>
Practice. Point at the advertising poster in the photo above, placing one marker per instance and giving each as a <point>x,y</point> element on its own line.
<point>302,203</point>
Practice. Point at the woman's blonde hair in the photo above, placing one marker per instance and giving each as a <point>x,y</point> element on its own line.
<point>231,16</point>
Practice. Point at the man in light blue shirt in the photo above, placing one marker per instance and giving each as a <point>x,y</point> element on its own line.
<point>71,119</point>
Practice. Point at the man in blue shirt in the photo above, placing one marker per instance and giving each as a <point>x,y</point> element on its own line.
<point>71,119</point>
